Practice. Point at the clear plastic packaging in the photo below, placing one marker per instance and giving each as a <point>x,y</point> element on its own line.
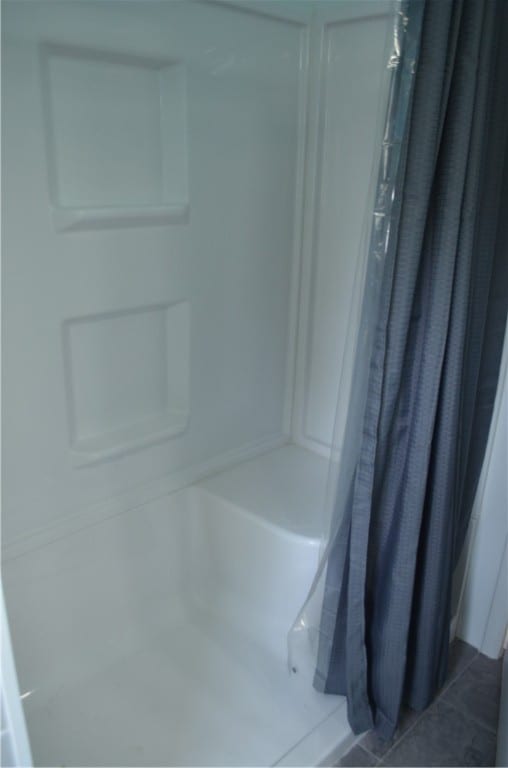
<point>310,637</point>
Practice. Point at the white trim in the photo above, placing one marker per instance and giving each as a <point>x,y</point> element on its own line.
<point>15,745</point>
<point>325,19</point>
<point>502,734</point>
<point>497,620</point>
<point>312,176</point>
<point>299,207</point>
<point>479,510</point>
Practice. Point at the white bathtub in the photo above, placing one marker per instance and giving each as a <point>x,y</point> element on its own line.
<point>158,637</point>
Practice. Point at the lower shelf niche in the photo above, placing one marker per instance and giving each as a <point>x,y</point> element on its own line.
<point>127,379</point>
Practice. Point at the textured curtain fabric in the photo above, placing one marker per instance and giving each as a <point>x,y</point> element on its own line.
<point>432,378</point>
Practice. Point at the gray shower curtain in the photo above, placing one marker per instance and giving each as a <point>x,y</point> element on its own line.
<point>433,374</point>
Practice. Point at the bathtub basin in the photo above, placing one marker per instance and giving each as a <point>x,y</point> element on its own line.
<point>159,636</point>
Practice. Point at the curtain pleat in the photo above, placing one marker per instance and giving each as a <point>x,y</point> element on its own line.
<point>433,373</point>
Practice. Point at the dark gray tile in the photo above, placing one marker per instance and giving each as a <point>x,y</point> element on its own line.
<point>477,691</point>
<point>489,667</point>
<point>358,757</point>
<point>460,656</point>
<point>444,736</point>
<point>379,746</point>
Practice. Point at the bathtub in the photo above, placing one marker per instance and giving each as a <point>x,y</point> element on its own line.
<point>159,636</point>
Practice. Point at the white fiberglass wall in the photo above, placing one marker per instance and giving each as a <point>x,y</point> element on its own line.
<point>185,188</point>
<point>150,162</point>
<point>186,185</point>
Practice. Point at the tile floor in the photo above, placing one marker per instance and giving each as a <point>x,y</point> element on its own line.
<point>458,729</point>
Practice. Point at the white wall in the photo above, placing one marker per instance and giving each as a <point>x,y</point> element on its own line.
<point>150,179</point>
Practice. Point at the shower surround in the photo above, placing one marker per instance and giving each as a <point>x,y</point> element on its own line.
<point>186,187</point>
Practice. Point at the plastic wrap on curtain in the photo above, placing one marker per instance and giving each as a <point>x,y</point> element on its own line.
<point>310,637</point>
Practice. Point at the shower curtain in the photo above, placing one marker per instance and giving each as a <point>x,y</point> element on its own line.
<point>397,534</point>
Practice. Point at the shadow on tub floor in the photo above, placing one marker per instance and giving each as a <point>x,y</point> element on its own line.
<point>458,729</point>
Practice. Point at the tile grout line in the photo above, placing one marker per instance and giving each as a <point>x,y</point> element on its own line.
<point>472,717</point>
<point>380,759</point>
<point>364,749</point>
<point>453,680</point>
<point>425,711</point>
<point>369,753</point>
<point>403,736</point>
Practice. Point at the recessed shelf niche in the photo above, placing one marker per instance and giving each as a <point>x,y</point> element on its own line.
<point>116,138</point>
<point>127,379</point>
